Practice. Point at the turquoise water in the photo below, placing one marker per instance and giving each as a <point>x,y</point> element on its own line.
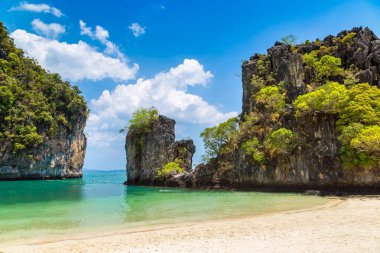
<point>100,201</point>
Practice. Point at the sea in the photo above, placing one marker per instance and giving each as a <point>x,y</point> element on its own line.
<point>99,202</point>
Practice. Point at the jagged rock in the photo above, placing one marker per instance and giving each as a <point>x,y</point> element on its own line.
<point>316,161</point>
<point>364,76</point>
<point>148,153</point>
<point>183,180</point>
<point>204,175</point>
<point>58,157</point>
<point>184,150</point>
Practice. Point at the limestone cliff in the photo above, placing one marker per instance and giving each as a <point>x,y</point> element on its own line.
<point>60,156</point>
<point>316,161</point>
<point>151,151</point>
<point>42,119</point>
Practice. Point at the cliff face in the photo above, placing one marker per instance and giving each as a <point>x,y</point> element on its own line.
<point>316,161</point>
<point>150,152</point>
<point>42,119</point>
<point>61,156</point>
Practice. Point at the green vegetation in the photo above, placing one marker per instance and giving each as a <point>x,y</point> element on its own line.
<point>328,66</point>
<point>348,37</point>
<point>358,109</point>
<point>329,98</point>
<point>362,107</point>
<point>289,40</point>
<point>332,92</point>
<point>278,142</point>
<point>271,98</point>
<point>368,142</point>
<point>281,141</point>
<point>34,104</point>
<point>141,121</point>
<point>325,68</point>
<point>215,138</point>
<point>139,125</point>
<point>170,168</point>
<point>257,82</point>
<point>252,148</point>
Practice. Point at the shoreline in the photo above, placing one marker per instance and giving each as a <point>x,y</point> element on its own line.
<point>358,212</point>
<point>121,229</point>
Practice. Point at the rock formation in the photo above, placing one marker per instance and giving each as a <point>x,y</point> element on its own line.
<point>59,157</point>
<point>150,152</point>
<point>42,119</point>
<point>316,162</point>
<point>294,132</point>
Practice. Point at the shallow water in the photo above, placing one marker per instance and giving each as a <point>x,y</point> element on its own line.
<point>99,201</point>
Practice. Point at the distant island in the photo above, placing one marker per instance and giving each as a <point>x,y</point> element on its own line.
<point>310,120</point>
<point>42,119</point>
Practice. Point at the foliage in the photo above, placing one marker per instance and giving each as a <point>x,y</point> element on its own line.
<point>34,104</point>
<point>363,106</point>
<point>350,79</point>
<point>311,58</point>
<point>257,83</point>
<point>368,142</point>
<point>170,168</point>
<point>216,137</point>
<point>252,148</point>
<point>329,98</point>
<point>328,66</point>
<point>261,67</point>
<point>358,109</point>
<point>350,154</point>
<point>332,88</point>
<point>325,68</point>
<point>349,37</point>
<point>289,40</point>
<point>271,98</point>
<point>142,119</point>
<point>281,141</point>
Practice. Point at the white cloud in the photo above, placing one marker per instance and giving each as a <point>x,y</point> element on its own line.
<point>44,8</point>
<point>52,30</point>
<point>73,61</point>
<point>136,29</point>
<point>167,91</point>
<point>102,36</point>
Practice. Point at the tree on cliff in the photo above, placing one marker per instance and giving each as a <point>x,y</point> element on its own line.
<point>141,121</point>
<point>216,137</point>
<point>289,40</point>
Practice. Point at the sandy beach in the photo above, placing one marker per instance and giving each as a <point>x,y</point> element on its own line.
<point>342,225</point>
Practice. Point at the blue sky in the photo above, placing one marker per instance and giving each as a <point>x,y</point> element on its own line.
<point>183,57</point>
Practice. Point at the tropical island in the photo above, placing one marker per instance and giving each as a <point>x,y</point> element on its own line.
<point>284,171</point>
<point>42,119</point>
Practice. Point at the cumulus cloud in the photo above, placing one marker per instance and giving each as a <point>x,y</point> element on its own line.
<point>73,61</point>
<point>137,29</point>
<point>167,91</point>
<point>102,36</point>
<point>52,30</point>
<point>41,8</point>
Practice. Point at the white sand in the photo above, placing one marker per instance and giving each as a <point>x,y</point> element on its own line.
<point>352,225</point>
